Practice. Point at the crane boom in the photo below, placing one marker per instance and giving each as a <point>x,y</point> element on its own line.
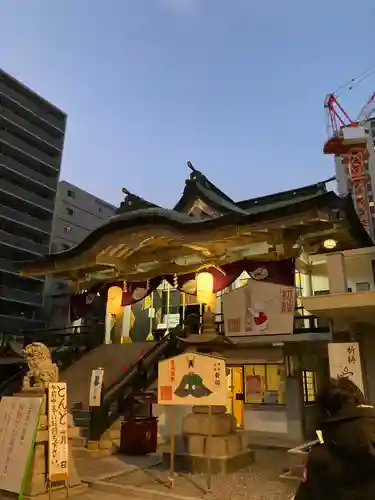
<point>367,110</point>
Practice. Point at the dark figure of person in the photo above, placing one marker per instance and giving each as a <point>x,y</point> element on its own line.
<point>342,467</point>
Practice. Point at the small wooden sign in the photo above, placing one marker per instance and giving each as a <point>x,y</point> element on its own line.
<point>96,385</point>
<point>192,379</point>
<point>58,451</point>
<point>19,417</point>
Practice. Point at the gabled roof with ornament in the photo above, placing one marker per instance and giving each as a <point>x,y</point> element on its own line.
<point>144,241</point>
<point>133,202</point>
<point>199,189</point>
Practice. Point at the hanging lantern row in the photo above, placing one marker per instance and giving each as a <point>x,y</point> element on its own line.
<point>204,290</point>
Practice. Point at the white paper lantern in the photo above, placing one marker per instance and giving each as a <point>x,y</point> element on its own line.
<point>114,300</point>
<point>205,288</point>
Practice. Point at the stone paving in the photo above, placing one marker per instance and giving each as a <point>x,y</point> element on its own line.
<point>142,478</point>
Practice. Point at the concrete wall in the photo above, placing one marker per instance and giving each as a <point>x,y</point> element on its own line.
<point>358,269</point>
<point>77,214</point>
<point>367,351</point>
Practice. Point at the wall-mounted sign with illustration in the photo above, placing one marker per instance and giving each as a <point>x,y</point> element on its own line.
<point>192,379</point>
<point>259,308</point>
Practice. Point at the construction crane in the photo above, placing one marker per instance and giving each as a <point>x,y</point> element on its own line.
<point>349,140</point>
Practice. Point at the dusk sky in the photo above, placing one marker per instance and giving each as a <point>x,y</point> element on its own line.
<point>235,86</point>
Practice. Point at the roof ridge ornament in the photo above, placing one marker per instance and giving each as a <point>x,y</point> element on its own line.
<point>132,202</point>
<point>191,166</point>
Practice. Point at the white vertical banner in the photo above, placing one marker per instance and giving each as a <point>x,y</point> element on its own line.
<point>345,361</point>
<point>57,431</point>
<point>96,385</point>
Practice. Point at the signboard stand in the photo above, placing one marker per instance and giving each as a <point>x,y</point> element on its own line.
<point>209,446</point>
<point>27,440</point>
<point>58,451</point>
<point>198,380</point>
<point>19,419</point>
<point>55,480</point>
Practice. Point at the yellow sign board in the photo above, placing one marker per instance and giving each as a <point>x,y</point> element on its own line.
<point>192,379</point>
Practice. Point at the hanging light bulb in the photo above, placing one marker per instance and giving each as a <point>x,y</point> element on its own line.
<point>205,288</point>
<point>114,300</point>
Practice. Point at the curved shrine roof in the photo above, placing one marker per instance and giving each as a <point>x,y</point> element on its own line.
<point>147,242</point>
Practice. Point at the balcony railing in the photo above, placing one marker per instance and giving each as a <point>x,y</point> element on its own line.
<point>22,244</point>
<point>50,161</point>
<point>16,323</point>
<point>28,173</point>
<point>32,106</point>
<point>303,323</point>
<point>35,131</point>
<point>22,296</point>
<point>27,196</point>
<point>9,267</point>
<point>26,220</point>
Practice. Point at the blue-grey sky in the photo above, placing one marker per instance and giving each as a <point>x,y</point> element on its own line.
<point>235,86</point>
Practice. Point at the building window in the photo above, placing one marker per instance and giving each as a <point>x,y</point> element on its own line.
<point>99,209</point>
<point>70,211</point>
<point>265,384</point>
<point>309,387</point>
<point>68,229</point>
<point>71,194</point>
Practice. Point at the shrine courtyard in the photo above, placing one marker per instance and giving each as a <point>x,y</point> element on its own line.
<point>114,477</point>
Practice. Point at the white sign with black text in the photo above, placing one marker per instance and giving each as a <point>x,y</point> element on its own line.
<point>345,361</point>
<point>19,418</point>
<point>96,385</point>
<point>57,431</point>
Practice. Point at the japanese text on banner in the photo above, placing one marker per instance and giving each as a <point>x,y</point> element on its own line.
<point>287,300</point>
<point>58,429</point>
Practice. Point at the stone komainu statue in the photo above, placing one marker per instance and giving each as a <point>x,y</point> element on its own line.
<point>42,370</point>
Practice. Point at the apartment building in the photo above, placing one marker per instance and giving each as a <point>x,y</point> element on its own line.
<point>32,132</point>
<point>342,290</point>
<point>77,214</point>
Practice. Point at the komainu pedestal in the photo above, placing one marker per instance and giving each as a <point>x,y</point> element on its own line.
<point>43,371</point>
<point>217,437</point>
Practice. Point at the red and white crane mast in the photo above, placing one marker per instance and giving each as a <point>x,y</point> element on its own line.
<point>349,140</point>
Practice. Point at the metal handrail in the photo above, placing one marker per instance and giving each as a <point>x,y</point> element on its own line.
<point>101,418</point>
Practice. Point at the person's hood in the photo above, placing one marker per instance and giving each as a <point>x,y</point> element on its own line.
<point>351,413</point>
<point>352,430</point>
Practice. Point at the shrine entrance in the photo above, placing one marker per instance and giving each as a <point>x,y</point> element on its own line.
<point>236,393</point>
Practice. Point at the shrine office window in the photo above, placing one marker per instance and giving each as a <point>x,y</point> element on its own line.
<point>265,384</point>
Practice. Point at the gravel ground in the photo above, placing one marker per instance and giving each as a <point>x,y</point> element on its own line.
<point>260,482</point>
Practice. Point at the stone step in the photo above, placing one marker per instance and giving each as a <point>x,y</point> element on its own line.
<point>113,358</point>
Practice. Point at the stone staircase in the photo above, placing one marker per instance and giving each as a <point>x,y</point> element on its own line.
<point>111,438</point>
<point>114,359</point>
